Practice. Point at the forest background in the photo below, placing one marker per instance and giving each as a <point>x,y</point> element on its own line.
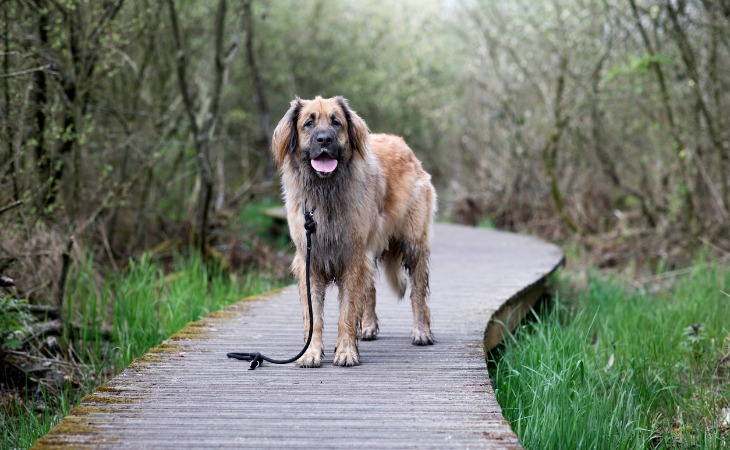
<point>144,126</point>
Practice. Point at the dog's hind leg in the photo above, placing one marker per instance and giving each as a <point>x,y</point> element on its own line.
<point>419,272</point>
<point>369,325</point>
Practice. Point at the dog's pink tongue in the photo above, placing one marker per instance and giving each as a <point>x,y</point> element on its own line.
<point>324,164</point>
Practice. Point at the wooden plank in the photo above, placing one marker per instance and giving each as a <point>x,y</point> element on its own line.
<point>187,394</point>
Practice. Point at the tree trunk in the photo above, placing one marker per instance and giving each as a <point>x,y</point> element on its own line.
<point>42,158</point>
<point>550,149</point>
<point>202,133</point>
<point>9,134</point>
<point>265,138</point>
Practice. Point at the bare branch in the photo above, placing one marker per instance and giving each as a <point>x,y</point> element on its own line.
<point>25,72</point>
<point>220,64</point>
<point>15,204</point>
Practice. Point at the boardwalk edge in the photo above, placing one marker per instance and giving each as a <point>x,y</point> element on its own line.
<point>506,319</point>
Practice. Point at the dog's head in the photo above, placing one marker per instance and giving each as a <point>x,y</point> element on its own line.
<point>321,134</point>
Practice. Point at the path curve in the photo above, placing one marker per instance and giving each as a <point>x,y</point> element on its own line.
<point>186,394</point>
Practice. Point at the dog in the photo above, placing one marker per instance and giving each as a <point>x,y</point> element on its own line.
<point>373,203</point>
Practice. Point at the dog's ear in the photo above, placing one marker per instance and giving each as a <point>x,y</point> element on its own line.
<point>357,129</point>
<point>286,138</point>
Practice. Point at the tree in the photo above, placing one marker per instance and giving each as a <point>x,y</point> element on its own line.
<point>203,132</point>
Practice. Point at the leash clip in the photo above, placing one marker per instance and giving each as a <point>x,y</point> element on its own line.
<point>256,361</point>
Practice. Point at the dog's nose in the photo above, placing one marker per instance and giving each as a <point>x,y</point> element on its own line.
<point>325,138</point>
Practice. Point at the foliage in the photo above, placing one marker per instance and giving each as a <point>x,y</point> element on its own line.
<point>630,93</point>
<point>617,106</point>
<point>615,368</point>
<point>638,65</point>
<point>14,321</point>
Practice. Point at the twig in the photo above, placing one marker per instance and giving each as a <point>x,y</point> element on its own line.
<point>724,251</point>
<point>719,363</point>
<point>42,329</point>
<point>670,275</point>
<point>119,192</point>
<point>250,189</point>
<point>27,294</point>
<point>43,311</point>
<point>15,204</point>
<point>108,248</point>
<point>41,359</point>
<point>24,72</point>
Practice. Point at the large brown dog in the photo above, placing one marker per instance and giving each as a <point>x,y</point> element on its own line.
<point>374,202</point>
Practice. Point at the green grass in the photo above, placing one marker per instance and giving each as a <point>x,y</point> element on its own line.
<point>120,319</point>
<point>486,222</point>
<point>22,422</point>
<point>614,368</point>
<point>254,220</point>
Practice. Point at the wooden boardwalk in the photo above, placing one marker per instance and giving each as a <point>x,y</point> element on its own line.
<point>185,393</point>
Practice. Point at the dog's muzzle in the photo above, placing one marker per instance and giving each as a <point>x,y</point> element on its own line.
<point>323,154</point>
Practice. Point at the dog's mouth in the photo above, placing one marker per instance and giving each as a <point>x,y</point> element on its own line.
<point>324,164</point>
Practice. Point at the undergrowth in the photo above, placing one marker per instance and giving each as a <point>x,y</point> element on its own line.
<point>115,321</point>
<point>607,367</point>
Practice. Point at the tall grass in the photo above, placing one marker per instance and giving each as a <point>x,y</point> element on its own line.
<point>145,306</point>
<point>118,320</point>
<point>22,422</point>
<point>614,368</point>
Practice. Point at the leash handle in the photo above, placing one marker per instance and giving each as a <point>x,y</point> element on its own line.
<point>257,358</point>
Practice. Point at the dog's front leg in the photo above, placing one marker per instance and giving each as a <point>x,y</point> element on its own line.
<point>353,287</point>
<point>313,356</point>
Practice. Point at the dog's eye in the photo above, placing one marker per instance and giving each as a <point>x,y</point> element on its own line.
<point>308,123</point>
<point>336,122</point>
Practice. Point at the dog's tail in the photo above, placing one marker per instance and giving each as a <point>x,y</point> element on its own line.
<point>395,274</point>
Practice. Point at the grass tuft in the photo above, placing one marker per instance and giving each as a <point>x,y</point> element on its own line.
<point>614,368</point>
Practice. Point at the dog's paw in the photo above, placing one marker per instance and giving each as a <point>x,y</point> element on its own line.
<point>369,332</point>
<point>310,359</point>
<point>347,356</point>
<point>422,337</point>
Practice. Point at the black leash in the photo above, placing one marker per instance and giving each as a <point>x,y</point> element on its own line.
<point>257,358</point>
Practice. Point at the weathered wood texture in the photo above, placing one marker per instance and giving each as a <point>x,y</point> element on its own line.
<point>187,394</point>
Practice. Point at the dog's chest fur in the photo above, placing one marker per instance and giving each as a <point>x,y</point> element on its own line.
<point>333,245</point>
<point>343,205</point>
